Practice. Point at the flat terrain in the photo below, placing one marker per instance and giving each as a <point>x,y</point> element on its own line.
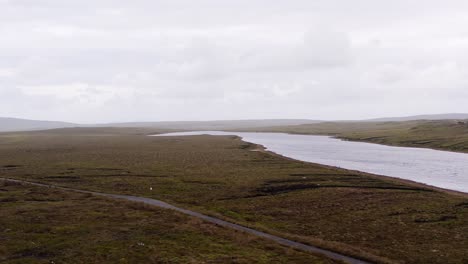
<point>42,225</point>
<point>377,218</point>
<point>449,135</point>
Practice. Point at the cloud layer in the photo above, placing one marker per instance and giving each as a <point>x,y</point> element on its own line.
<point>100,61</point>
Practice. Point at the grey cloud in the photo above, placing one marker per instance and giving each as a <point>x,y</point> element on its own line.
<point>105,60</point>
<point>318,49</point>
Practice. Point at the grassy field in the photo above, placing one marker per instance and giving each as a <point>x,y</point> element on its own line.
<point>41,225</point>
<point>443,134</point>
<point>377,218</point>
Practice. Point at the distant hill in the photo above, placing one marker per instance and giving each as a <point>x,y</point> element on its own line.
<point>16,124</point>
<point>214,125</point>
<point>455,116</point>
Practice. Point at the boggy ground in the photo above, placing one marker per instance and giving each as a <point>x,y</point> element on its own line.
<point>42,225</point>
<point>378,218</point>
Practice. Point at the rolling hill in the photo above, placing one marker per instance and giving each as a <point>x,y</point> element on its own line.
<point>17,124</point>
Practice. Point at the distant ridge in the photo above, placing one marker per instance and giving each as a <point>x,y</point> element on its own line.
<point>214,125</point>
<point>8,124</point>
<point>16,124</point>
<point>452,116</point>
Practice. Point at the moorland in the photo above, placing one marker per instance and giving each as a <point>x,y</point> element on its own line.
<point>45,225</point>
<point>375,218</point>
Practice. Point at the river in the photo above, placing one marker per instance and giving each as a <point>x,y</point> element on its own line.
<point>444,169</point>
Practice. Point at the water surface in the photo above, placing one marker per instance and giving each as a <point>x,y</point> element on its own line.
<point>443,169</point>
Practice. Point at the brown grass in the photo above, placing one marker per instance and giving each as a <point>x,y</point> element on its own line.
<point>42,225</point>
<point>369,216</point>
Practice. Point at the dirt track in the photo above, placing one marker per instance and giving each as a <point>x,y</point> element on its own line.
<point>161,204</point>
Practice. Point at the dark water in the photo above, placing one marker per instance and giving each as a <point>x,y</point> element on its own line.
<point>443,169</point>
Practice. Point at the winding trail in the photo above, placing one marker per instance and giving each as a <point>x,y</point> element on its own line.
<point>219,222</point>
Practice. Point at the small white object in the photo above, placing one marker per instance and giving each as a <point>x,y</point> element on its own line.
<point>151,188</point>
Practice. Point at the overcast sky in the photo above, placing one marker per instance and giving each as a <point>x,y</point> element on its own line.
<point>118,60</point>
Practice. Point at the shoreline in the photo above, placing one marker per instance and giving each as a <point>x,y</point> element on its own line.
<point>344,138</point>
<point>263,149</point>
